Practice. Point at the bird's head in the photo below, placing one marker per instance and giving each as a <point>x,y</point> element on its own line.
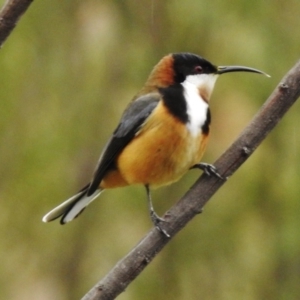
<point>187,68</point>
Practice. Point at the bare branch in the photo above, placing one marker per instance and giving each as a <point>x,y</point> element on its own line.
<point>10,15</point>
<point>128,268</point>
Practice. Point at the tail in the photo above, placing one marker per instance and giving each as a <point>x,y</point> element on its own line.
<point>71,208</point>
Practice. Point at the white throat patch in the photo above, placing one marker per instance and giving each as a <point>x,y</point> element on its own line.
<point>196,105</point>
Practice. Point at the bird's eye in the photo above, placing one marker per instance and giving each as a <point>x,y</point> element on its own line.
<point>198,69</point>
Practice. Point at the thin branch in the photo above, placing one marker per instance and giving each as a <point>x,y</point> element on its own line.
<point>10,15</point>
<point>128,268</point>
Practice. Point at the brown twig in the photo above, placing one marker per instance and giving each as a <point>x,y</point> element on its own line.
<point>10,15</point>
<point>128,268</point>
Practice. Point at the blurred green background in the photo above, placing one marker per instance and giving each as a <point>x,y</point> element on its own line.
<point>67,72</point>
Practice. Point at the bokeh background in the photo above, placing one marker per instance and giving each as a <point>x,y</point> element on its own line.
<point>67,72</point>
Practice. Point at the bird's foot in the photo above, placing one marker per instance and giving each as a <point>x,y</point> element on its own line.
<point>208,169</point>
<point>157,220</point>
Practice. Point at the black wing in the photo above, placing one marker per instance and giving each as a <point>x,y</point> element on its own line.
<point>132,120</point>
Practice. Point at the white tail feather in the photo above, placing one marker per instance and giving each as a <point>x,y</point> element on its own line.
<point>79,207</point>
<point>77,203</point>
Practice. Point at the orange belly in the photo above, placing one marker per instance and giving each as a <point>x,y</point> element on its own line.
<point>161,153</point>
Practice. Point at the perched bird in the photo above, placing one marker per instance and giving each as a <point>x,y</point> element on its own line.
<point>161,135</point>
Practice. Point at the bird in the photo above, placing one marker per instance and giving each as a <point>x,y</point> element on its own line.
<point>161,135</point>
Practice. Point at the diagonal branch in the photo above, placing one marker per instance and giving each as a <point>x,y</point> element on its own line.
<point>10,15</point>
<point>128,268</point>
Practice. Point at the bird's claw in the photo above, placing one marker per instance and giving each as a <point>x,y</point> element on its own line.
<point>156,220</point>
<point>209,170</point>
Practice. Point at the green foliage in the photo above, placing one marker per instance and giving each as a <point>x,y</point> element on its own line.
<point>67,72</point>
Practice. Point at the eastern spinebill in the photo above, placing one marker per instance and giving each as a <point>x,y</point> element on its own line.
<point>162,133</point>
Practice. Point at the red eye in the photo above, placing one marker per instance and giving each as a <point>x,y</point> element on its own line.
<point>198,69</point>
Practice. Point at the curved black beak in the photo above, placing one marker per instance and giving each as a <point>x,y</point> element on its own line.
<point>227,69</point>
